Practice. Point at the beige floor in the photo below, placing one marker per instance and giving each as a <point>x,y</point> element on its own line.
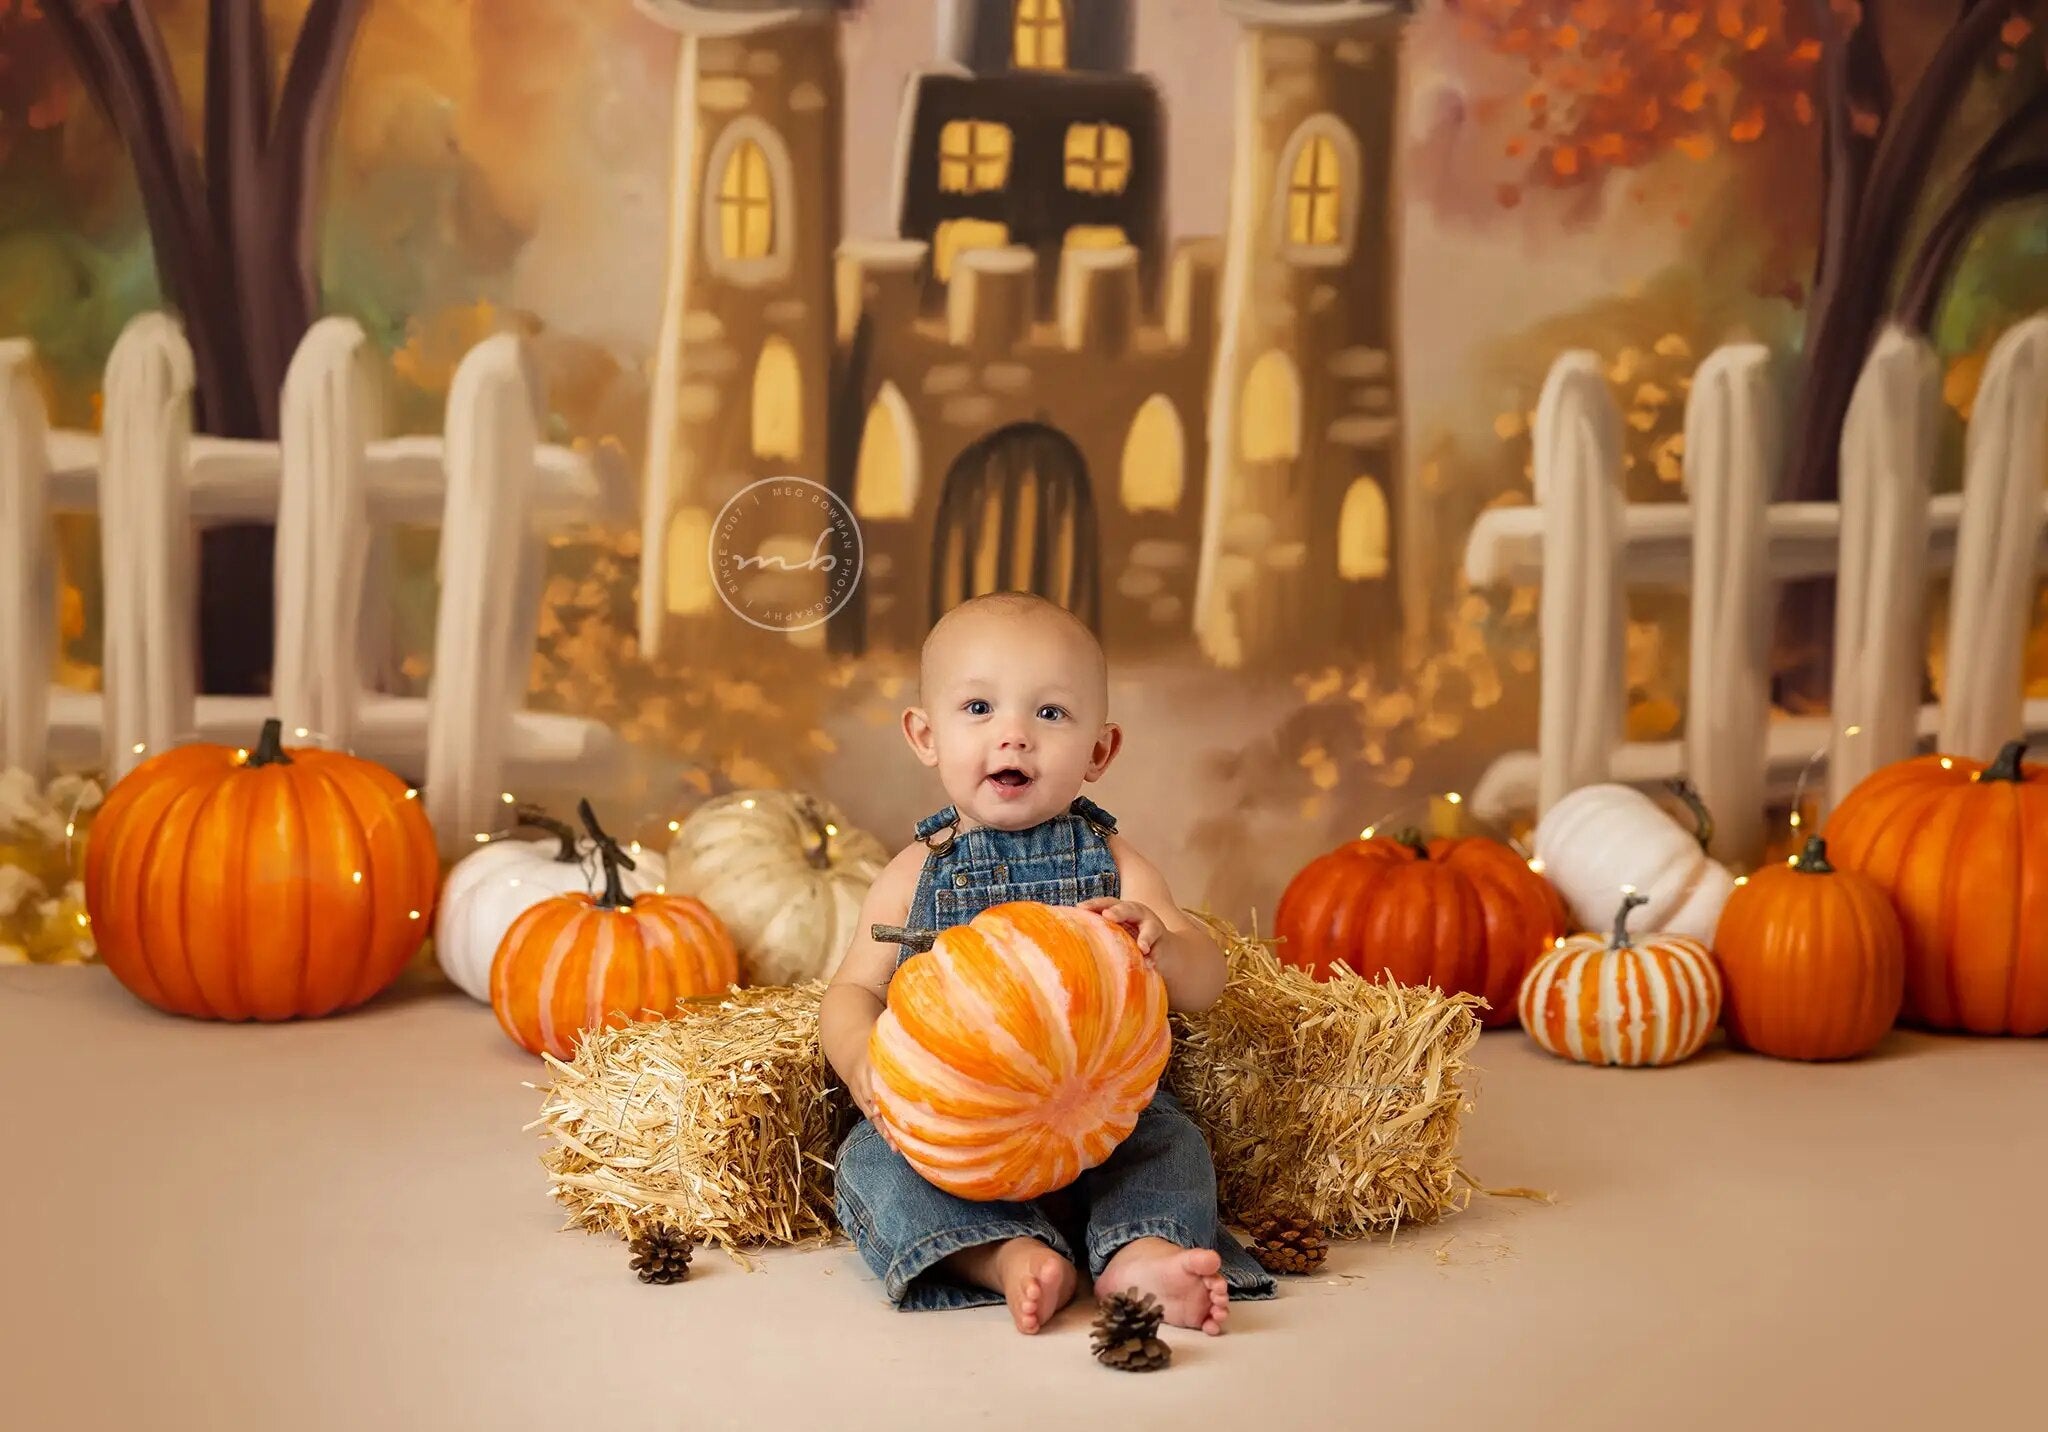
<point>341,1225</point>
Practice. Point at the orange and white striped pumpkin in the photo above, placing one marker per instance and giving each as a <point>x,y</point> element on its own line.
<point>1019,1050</point>
<point>577,962</point>
<point>1616,1000</point>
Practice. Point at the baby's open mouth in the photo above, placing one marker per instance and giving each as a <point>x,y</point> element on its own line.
<point>1010,778</point>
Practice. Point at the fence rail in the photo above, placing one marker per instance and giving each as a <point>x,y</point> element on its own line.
<point>1732,545</point>
<point>334,486</point>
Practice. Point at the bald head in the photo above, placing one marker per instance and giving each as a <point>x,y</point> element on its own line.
<point>987,624</point>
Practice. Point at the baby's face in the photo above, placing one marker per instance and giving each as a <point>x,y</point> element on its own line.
<point>1014,718</point>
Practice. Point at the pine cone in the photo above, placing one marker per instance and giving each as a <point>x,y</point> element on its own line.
<point>1288,1243</point>
<point>1124,1336</point>
<point>661,1255</point>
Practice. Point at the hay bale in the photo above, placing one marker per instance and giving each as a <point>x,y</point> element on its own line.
<point>720,1121</point>
<point>1340,1099</point>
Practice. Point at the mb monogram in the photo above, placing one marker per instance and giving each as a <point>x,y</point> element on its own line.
<point>785,553</point>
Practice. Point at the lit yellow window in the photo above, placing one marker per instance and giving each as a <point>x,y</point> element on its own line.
<point>885,480</point>
<point>1315,193</point>
<point>746,205</point>
<point>955,235</point>
<point>778,402</point>
<point>689,561</point>
<point>1362,532</point>
<point>1041,35</point>
<point>1269,414</point>
<point>1098,158</point>
<point>974,156</point>
<point>1154,458</point>
<point>1096,236</point>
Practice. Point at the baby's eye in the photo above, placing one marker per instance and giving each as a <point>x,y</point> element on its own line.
<point>1051,713</point>
<point>977,707</point>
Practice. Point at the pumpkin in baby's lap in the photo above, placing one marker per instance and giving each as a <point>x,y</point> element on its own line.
<point>1018,1051</point>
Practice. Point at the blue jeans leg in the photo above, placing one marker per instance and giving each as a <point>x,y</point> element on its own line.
<point>1161,1183</point>
<point>904,1226</point>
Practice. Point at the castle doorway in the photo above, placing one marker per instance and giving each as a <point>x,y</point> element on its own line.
<point>1016,513</point>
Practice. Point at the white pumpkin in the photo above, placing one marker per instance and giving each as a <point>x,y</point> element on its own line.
<point>1602,838</point>
<point>785,872</point>
<point>492,887</point>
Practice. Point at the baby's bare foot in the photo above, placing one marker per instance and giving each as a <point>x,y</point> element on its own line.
<point>1187,1281</point>
<point>1036,1282</point>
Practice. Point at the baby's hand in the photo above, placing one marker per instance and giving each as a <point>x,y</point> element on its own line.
<point>860,1084</point>
<point>1144,925</point>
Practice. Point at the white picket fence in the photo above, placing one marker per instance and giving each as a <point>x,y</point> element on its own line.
<point>1883,540</point>
<point>335,487</point>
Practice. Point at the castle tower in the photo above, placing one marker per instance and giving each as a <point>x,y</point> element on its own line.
<point>1036,136</point>
<point>1304,459</point>
<point>743,359</point>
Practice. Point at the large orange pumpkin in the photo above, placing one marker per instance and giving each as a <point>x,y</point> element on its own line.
<point>1962,850</point>
<point>269,883</point>
<point>1623,999</point>
<point>1813,958</point>
<point>1019,1050</point>
<point>1466,915</point>
<point>577,962</point>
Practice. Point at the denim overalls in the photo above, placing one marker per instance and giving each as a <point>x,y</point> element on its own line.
<point>1159,1182</point>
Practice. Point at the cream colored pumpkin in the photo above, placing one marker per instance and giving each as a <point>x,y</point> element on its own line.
<point>493,886</point>
<point>1600,839</point>
<point>786,873</point>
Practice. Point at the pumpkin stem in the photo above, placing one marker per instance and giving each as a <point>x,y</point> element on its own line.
<point>270,746</point>
<point>1813,860</point>
<point>901,935</point>
<point>821,856</point>
<point>1412,838</point>
<point>2006,766</point>
<point>559,829</point>
<point>1629,901</point>
<point>615,896</point>
<point>1702,818</point>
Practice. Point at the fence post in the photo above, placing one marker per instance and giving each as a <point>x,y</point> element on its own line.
<point>1888,444</point>
<point>1991,600</point>
<point>28,571</point>
<point>149,550</point>
<point>491,433</point>
<point>1733,430</point>
<point>1582,617</point>
<point>331,411</point>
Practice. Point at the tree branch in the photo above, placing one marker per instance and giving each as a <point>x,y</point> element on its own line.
<point>237,129</point>
<point>1852,76</point>
<point>1936,261</point>
<point>1908,143</point>
<point>298,140</point>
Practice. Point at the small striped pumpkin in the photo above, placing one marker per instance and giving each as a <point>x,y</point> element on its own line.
<point>577,962</point>
<point>1019,1050</point>
<point>1615,1000</point>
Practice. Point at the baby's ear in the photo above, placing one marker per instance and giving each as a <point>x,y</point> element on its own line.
<point>1107,744</point>
<point>917,730</point>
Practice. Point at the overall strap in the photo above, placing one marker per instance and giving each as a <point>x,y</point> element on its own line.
<point>928,829</point>
<point>1103,822</point>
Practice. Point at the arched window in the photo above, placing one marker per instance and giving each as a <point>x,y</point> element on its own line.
<point>1269,413</point>
<point>778,402</point>
<point>749,203</point>
<point>1362,532</point>
<point>1154,458</point>
<point>885,479</point>
<point>1318,199</point>
<point>1040,35</point>
<point>689,562</point>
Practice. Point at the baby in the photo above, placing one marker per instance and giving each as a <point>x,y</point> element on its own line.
<point>1014,697</point>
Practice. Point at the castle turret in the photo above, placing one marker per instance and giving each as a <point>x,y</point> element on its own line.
<point>1304,456</point>
<point>743,359</point>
